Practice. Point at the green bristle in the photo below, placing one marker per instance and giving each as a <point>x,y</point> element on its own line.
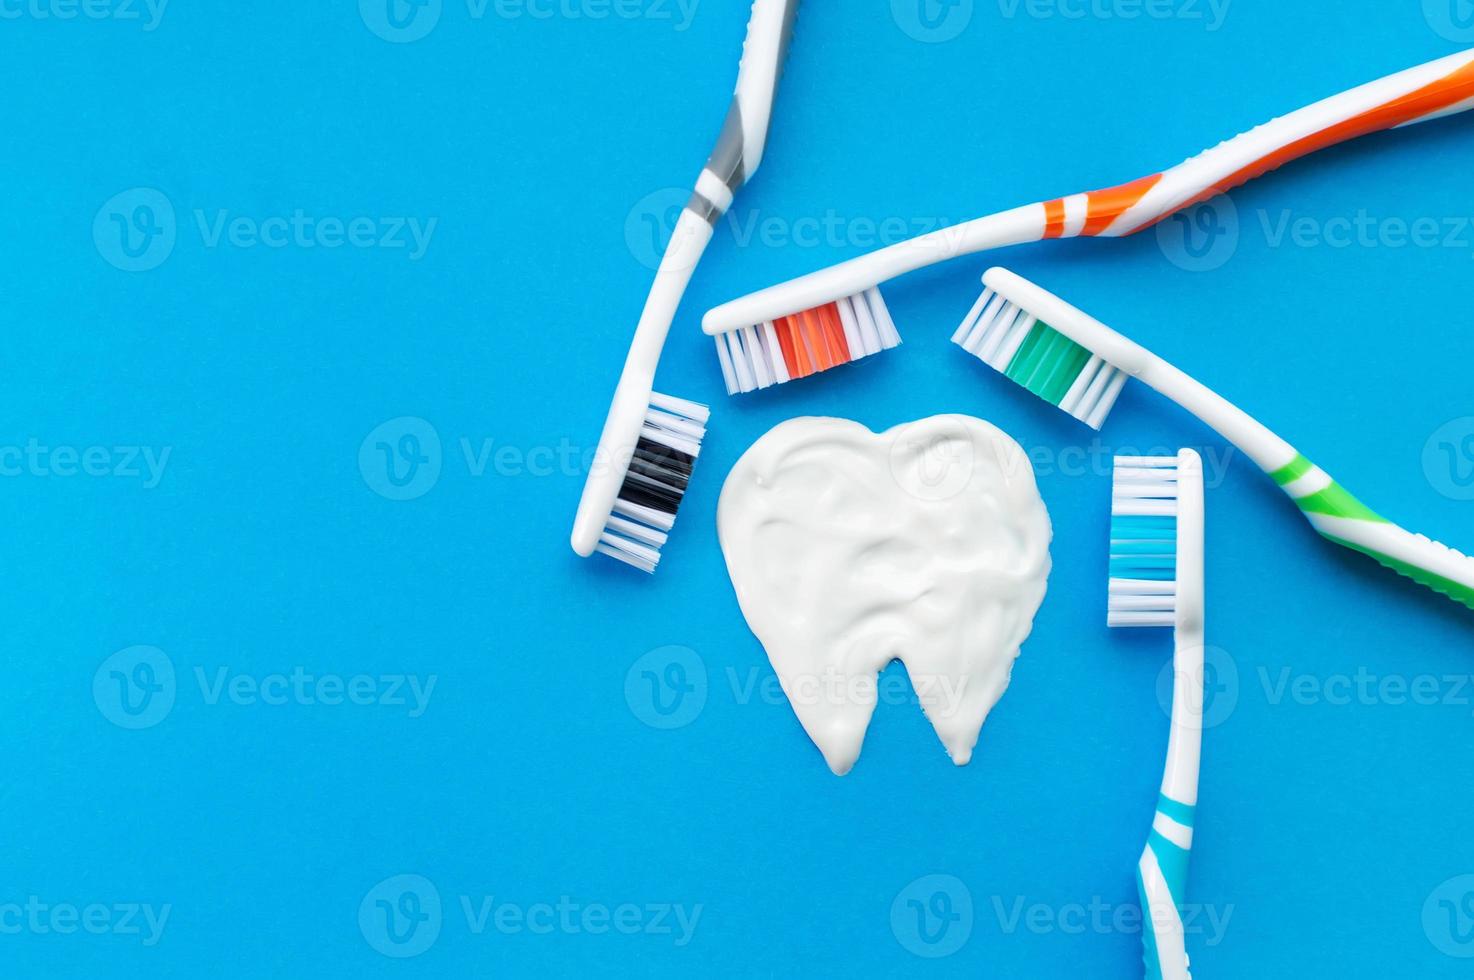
<point>1048,363</point>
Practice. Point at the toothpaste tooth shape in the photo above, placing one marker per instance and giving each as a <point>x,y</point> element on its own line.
<point>928,543</point>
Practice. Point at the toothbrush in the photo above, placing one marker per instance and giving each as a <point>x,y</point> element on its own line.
<point>650,441</point>
<point>1157,580</point>
<point>1080,365</point>
<point>1436,89</point>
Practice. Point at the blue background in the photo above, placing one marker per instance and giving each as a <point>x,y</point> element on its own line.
<point>532,774</point>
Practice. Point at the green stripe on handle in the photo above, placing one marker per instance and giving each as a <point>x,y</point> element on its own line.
<point>1334,501</point>
<point>1292,472</point>
<point>1456,591</point>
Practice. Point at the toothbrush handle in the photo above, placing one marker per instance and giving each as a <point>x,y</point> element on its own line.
<point>738,152</point>
<point>1419,94</point>
<point>1438,88</point>
<point>632,395</point>
<point>744,137</point>
<point>1161,874</point>
<point>1334,512</point>
<point>1162,871</point>
<point>1341,518</point>
<point>1161,878</point>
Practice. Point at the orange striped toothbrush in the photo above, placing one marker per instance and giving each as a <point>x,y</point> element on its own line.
<point>841,317</point>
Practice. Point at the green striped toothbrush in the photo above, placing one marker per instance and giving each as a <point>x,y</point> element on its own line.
<point>1077,363</point>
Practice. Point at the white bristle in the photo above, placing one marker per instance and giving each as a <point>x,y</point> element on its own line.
<point>645,515</point>
<point>1082,384</point>
<point>695,411</point>
<point>729,372</point>
<point>995,329</point>
<point>1094,414</point>
<point>868,331</point>
<point>752,357</point>
<point>889,337</point>
<point>1116,619</point>
<point>1141,586</point>
<point>636,531</point>
<point>761,366</point>
<point>645,510</point>
<point>775,363</point>
<point>853,328</point>
<point>1143,488</point>
<point>972,317</point>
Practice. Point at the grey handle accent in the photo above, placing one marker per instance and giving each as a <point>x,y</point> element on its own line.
<point>733,160</point>
<point>726,159</point>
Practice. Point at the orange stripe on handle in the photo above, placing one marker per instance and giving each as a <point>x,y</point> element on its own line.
<point>1449,91</point>
<point>1109,204</point>
<point>1054,218</point>
<point>1425,101</point>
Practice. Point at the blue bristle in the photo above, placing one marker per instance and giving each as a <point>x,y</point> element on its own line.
<point>1121,549</point>
<point>1139,526</point>
<point>1144,547</point>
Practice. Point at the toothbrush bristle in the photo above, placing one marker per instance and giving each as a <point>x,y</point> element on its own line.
<point>659,472</point>
<point>1143,588</point>
<point>1014,342</point>
<point>806,343</point>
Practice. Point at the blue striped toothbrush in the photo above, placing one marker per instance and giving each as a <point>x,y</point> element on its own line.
<point>1157,581</point>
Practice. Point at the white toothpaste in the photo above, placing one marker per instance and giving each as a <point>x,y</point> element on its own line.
<point>928,543</point>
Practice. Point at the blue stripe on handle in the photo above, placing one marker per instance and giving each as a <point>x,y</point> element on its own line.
<point>1149,954</point>
<point>1173,862</point>
<point>1181,812</point>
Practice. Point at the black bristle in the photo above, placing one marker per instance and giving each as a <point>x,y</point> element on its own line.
<point>637,490</point>
<point>665,456</point>
<point>661,474</point>
<point>654,483</point>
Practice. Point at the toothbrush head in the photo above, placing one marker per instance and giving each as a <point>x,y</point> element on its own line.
<point>1156,541</point>
<point>1143,581</point>
<point>805,343</point>
<point>629,506</point>
<point>1009,329</point>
